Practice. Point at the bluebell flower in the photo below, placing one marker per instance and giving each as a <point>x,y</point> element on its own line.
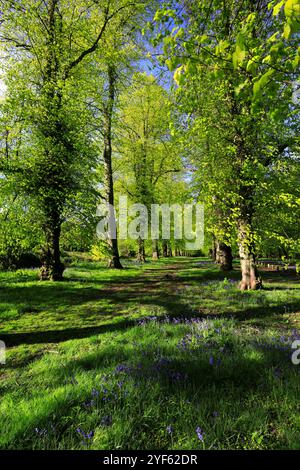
<point>200,433</point>
<point>170,429</point>
<point>85,435</point>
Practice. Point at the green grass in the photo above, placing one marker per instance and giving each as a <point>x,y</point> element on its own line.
<point>134,354</point>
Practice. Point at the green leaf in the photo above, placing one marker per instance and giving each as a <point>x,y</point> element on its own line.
<point>264,79</point>
<point>178,75</point>
<point>287,31</point>
<point>278,7</point>
<point>292,9</point>
<point>267,59</point>
<point>273,38</point>
<point>201,39</point>
<point>180,33</point>
<point>238,56</point>
<point>292,13</point>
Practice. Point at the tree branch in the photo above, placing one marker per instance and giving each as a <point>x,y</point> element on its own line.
<point>94,46</point>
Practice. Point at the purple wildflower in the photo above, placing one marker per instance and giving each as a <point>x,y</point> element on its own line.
<point>199,433</point>
<point>170,429</point>
<point>85,435</point>
<point>122,368</point>
<point>89,404</point>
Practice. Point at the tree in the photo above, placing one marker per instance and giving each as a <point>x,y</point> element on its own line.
<point>146,145</point>
<point>110,71</point>
<point>237,46</point>
<point>53,41</point>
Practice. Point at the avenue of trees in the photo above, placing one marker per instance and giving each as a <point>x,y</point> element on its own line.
<point>164,102</point>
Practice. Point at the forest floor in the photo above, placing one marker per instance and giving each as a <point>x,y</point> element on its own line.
<point>168,355</point>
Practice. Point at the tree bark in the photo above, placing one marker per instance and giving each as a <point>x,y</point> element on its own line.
<point>177,251</point>
<point>224,256</point>
<point>141,251</point>
<point>250,278</point>
<point>155,251</point>
<point>52,268</point>
<point>53,168</point>
<point>114,261</point>
<point>165,248</point>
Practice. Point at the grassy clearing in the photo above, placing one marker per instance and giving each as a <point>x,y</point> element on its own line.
<point>169,355</point>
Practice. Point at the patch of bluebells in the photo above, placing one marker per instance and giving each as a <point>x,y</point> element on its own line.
<point>89,404</point>
<point>197,338</point>
<point>282,344</point>
<point>148,319</point>
<point>106,393</point>
<point>212,361</point>
<point>164,366</point>
<point>204,322</point>
<point>161,363</point>
<point>190,341</point>
<point>200,434</point>
<point>176,376</point>
<point>86,436</point>
<point>123,368</point>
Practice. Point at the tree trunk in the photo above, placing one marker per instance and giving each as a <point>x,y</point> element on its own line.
<point>224,256</point>
<point>177,251</point>
<point>52,268</point>
<point>250,278</point>
<point>114,261</point>
<point>53,163</point>
<point>170,254</point>
<point>141,250</point>
<point>155,251</point>
<point>213,250</point>
<point>165,248</point>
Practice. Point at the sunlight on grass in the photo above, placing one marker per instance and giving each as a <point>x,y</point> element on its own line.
<point>120,363</point>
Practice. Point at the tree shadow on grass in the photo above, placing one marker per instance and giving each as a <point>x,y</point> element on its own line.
<point>58,336</point>
<point>141,291</point>
<point>186,379</point>
<point>172,305</point>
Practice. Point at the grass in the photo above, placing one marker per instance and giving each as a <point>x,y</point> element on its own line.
<point>169,355</point>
